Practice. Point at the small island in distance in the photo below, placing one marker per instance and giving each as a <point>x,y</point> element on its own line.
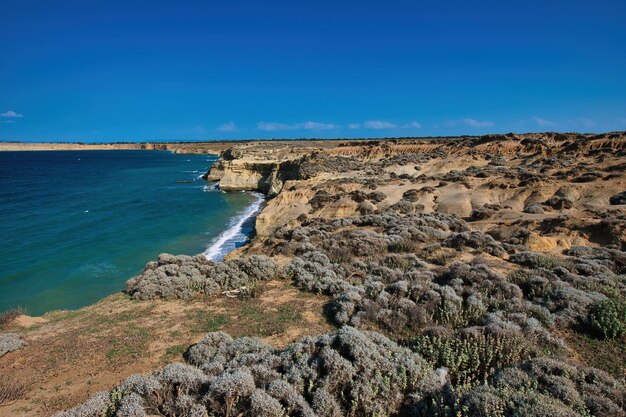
<point>479,275</point>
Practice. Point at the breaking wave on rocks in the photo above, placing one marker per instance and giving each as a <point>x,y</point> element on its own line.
<point>237,234</point>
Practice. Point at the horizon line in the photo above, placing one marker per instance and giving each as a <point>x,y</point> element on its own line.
<point>87,142</point>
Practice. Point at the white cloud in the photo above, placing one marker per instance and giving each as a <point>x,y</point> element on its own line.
<point>412,125</point>
<point>273,126</point>
<point>7,121</point>
<point>316,126</point>
<point>543,122</point>
<point>310,125</point>
<point>228,127</point>
<point>378,124</point>
<point>382,124</point>
<point>11,113</point>
<point>477,123</point>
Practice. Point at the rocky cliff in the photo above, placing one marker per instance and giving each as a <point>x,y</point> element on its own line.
<point>502,177</point>
<point>214,148</point>
<point>235,172</point>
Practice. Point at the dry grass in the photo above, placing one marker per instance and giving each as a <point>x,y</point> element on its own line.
<point>7,317</point>
<point>74,354</point>
<point>11,390</point>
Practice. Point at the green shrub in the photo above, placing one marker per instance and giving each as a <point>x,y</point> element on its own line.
<point>608,317</point>
<point>404,245</point>
<point>401,262</point>
<point>520,276</point>
<point>459,313</point>
<point>470,359</point>
<point>340,255</point>
<point>438,255</point>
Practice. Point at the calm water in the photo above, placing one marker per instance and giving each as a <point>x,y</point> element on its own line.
<point>75,225</point>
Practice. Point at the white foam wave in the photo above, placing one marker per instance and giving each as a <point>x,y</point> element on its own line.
<point>208,188</point>
<point>229,239</point>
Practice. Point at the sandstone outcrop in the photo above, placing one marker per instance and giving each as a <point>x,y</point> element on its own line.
<point>536,174</point>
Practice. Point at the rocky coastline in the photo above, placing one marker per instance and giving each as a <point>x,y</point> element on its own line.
<point>469,276</point>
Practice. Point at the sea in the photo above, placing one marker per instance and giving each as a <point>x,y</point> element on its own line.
<point>75,225</point>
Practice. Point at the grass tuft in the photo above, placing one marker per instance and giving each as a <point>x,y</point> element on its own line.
<point>7,317</point>
<point>11,390</point>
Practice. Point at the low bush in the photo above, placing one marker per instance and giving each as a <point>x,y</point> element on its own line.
<point>498,160</point>
<point>546,387</point>
<point>351,372</point>
<point>470,358</point>
<point>477,240</point>
<point>617,199</point>
<point>537,260</point>
<point>321,199</point>
<point>403,207</point>
<point>348,372</point>
<point>376,196</point>
<point>314,272</point>
<point>482,213</point>
<point>402,245</point>
<point>184,276</point>
<point>457,312</point>
<point>608,318</point>
<point>411,195</point>
<point>559,203</point>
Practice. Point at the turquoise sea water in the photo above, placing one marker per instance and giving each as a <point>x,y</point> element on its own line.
<point>75,225</point>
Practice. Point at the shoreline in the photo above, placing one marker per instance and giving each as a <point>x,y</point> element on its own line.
<point>217,249</point>
<point>106,274</point>
<point>214,252</point>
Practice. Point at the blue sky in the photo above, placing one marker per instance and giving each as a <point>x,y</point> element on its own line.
<point>187,70</point>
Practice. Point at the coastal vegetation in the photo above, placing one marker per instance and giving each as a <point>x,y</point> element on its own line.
<point>183,276</point>
<point>474,277</point>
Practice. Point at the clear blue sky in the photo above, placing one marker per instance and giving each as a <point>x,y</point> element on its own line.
<point>186,70</point>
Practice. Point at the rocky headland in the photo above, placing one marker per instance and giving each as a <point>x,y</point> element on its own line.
<point>477,276</point>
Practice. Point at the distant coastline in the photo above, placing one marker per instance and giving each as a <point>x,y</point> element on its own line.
<point>206,147</point>
<point>215,147</point>
<point>209,148</point>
